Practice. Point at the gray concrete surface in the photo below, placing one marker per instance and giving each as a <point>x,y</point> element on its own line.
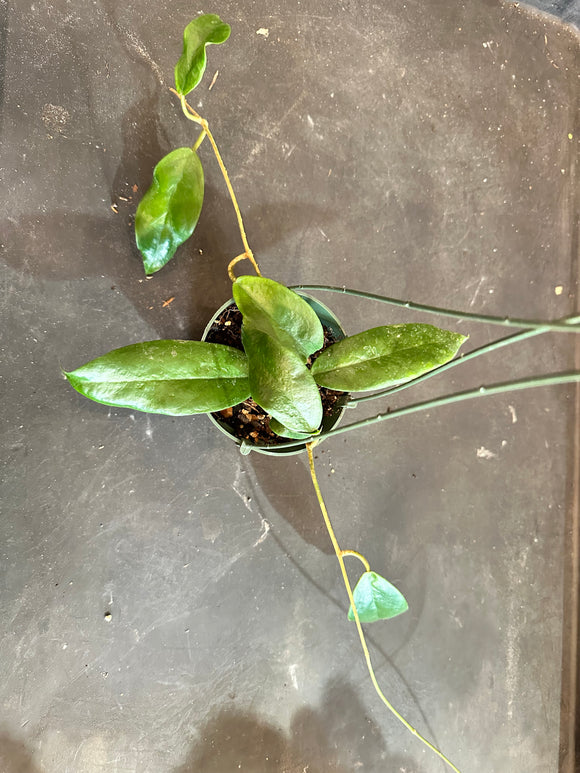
<point>566,10</point>
<point>421,150</point>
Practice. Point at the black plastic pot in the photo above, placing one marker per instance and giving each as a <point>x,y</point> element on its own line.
<point>329,319</point>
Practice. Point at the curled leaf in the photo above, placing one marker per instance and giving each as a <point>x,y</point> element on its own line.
<point>168,213</point>
<point>282,431</point>
<point>206,30</point>
<point>279,312</point>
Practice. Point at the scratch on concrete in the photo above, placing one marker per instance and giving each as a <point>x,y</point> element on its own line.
<point>139,49</point>
<point>237,487</point>
<point>512,660</point>
<point>292,670</point>
<point>264,533</point>
<point>477,289</point>
<point>247,500</point>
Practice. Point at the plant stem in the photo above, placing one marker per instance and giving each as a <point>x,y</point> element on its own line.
<point>551,379</point>
<point>571,326</point>
<point>199,140</point>
<point>194,116</point>
<point>494,389</point>
<point>233,262</point>
<point>340,556</point>
<point>360,557</point>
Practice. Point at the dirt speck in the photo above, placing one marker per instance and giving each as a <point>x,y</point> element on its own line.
<point>55,118</point>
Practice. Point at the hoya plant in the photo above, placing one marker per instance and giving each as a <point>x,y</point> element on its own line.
<point>285,361</point>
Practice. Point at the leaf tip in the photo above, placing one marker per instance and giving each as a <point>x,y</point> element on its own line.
<point>204,30</point>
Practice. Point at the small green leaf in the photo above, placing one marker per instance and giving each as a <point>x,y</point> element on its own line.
<point>168,213</point>
<point>281,313</point>
<point>281,383</point>
<point>280,429</point>
<point>376,599</point>
<point>170,377</point>
<point>384,356</point>
<point>199,33</point>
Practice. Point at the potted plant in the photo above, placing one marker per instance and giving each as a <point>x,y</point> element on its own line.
<point>275,369</point>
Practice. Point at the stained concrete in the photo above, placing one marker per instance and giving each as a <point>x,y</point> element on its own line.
<point>424,151</point>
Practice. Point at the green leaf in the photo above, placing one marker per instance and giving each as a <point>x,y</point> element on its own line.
<point>171,377</point>
<point>280,313</point>
<point>280,429</point>
<point>168,213</point>
<point>384,356</point>
<point>376,599</point>
<point>199,33</point>
<point>281,383</point>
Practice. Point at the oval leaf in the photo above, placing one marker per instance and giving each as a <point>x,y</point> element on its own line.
<point>281,383</point>
<point>376,599</point>
<point>170,377</point>
<point>168,213</point>
<point>384,356</point>
<point>199,33</point>
<point>281,313</point>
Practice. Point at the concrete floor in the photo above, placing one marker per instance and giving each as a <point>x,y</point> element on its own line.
<point>425,151</point>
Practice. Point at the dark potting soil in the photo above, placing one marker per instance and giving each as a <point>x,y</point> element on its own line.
<point>247,420</point>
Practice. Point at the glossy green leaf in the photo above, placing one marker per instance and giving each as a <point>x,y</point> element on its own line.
<point>384,356</point>
<point>280,429</point>
<point>170,377</point>
<point>199,33</point>
<point>376,599</point>
<point>281,313</point>
<point>281,383</point>
<point>168,213</point>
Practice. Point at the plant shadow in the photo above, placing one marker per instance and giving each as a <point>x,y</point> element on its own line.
<point>15,757</point>
<point>336,736</point>
<point>58,244</point>
<point>68,246</point>
<point>285,494</point>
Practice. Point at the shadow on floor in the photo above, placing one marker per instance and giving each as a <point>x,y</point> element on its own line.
<point>69,246</point>
<point>337,736</point>
<point>285,493</point>
<point>15,757</point>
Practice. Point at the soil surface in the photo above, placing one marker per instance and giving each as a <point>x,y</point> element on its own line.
<point>247,420</point>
